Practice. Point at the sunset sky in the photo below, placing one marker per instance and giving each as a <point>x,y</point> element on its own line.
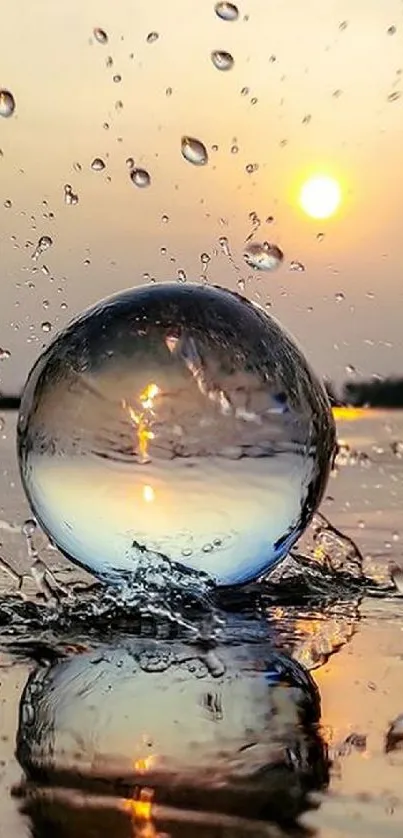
<point>323,83</point>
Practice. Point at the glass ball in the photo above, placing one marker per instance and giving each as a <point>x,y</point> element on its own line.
<point>175,421</point>
<point>231,716</point>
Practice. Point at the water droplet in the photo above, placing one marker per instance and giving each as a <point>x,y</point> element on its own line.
<point>393,97</point>
<point>391,30</point>
<point>77,167</point>
<point>337,93</point>
<point>7,204</point>
<point>244,91</point>
<point>194,151</point>
<point>4,354</point>
<point>44,243</point>
<point>251,167</point>
<point>339,297</point>
<point>70,197</point>
<point>224,244</point>
<point>152,351</point>
<point>397,448</point>
<point>97,164</point>
<point>46,326</point>
<point>205,261</point>
<point>28,528</point>
<point>152,37</point>
<point>109,62</point>
<point>263,257</point>
<point>117,78</point>
<point>299,267</point>
<point>307,118</point>
<point>165,219</point>
<point>100,35</point>
<point>130,162</point>
<point>254,100</point>
<point>234,149</point>
<point>181,275</point>
<point>140,178</point>
<point>226,11</point>
<point>7,103</point>
<point>343,25</point>
<point>222,60</point>
<point>320,237</point>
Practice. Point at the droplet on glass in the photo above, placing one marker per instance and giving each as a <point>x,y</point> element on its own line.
<point>226,11</point>
<point>205,261</point>
<point>97,164</point>
<point>224,244</point>
<point>4,354</point>
<point>130,162</point>
<point>182,275</point>
<point>244,91</point>
<point>337,93</point>
<point>297,267</point>
<point>165,356</point>
<point>339,297</point>
<point>307,118</point>
<point>222,60</point>
<point>152,37</point>
<point>140,178</point>
<point>320,237</point>
<point>393,97</point>
<point>70,197</point>
<point>7,103</point>
<point>100,35</point>
<point>343,25</point>
<point>117,78</point>
<point>251,167</point>
<point>109,62</point>
<point>194,151</point>
<point>46,326</point>
<point>263,256</point>
<point>165,219</point>
<point>168,91</point>
<point>7,204</point>
<point>234,149</point>
<point>391,30</point>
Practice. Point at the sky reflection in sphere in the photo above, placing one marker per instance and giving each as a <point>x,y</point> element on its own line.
<point>179,421</point>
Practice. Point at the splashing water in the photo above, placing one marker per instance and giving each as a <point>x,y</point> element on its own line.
<point>191,423</point>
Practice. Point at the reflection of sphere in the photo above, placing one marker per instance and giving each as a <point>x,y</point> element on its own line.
<point>232,730</point>
<point>180,421</point>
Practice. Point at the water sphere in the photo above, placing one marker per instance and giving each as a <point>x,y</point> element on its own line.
<point>174,420</point>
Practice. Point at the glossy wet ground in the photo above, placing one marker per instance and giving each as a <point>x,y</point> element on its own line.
<point>333,768</point>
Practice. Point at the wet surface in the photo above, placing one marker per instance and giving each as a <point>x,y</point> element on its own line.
<point>278,714</point>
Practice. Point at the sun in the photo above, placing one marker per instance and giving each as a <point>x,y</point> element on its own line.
<point>320,196</point>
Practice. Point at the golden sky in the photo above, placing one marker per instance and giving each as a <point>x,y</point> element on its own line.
<point>322,74</point>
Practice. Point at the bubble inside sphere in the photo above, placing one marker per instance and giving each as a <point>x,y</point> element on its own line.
<point>180,421</point>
